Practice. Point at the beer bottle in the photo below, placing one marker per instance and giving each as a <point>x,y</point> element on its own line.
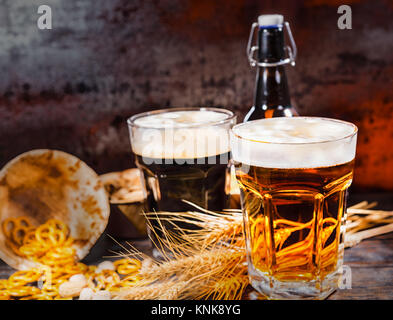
<point>271,97</point>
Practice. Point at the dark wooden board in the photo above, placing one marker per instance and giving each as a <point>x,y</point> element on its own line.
<point>371,264</point>
<point>371,261</point>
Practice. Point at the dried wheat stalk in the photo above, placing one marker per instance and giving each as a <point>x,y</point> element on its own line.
<point>211,262</point>
<point>364,223</point>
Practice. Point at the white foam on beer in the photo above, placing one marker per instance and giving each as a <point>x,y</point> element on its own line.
<point>181,134</point>
<point>180,119</point>
<point>299,142</point>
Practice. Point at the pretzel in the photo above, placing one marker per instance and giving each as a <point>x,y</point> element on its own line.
<point>23,221</point>
<point>38,296</point>
<point>14,247</point>
<point>23,291</point>
<point>8,225</point>
<point>21,278</point>
<point>127,266</point>
<point>4,295</point>
<point>51,247</point>
<point>130,281</point>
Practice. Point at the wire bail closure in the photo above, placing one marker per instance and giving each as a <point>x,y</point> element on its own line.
<point>292,52</point>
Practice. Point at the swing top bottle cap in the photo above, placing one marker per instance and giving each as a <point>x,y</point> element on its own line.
<point>269,20</point>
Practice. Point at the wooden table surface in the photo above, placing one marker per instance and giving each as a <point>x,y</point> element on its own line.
<point>370,262</point>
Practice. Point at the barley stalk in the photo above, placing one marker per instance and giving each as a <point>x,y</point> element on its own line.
<point>168,290</point>
<point>211,262</point>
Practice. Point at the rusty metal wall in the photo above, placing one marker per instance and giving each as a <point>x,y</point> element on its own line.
<point>72,87</point>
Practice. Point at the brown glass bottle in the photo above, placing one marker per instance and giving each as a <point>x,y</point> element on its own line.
<point>271,97</point>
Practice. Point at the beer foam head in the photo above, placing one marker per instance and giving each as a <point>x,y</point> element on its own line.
<point>299,142</point>
<point>180,119</point>
<point>181,134</point>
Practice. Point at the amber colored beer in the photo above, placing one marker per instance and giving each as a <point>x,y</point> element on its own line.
<point>294,202</point>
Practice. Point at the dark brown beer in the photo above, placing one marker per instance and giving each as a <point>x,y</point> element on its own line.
<point>183,154</point>
<point>202,181</point>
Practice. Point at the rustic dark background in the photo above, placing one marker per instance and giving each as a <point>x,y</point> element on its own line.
<point>72,87</point>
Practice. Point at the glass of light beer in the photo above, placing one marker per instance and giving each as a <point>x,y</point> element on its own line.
<point>183,154</point>
<point>293,175</point>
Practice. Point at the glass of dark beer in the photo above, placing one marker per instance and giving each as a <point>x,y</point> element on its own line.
<point>183,154</point>
<point>293,175</point>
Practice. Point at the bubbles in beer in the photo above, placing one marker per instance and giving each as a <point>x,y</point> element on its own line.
<point>299,142</point>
